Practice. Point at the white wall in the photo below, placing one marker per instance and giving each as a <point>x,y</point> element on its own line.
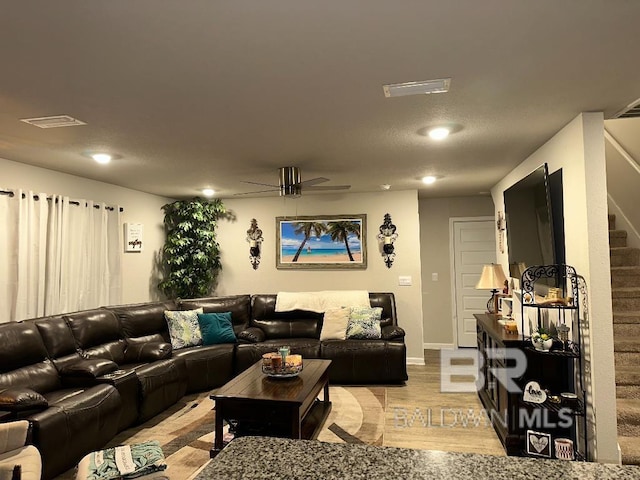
<point>238,277</point>
<point>138,269</point>
<point>579,150</point>
<point>435,213</point>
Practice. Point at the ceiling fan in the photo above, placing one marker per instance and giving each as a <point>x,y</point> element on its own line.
<point>290,184</point>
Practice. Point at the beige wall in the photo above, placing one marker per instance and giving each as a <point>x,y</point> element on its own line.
<point>437,308</point>
<point>138,268</point>
<point>238,276</point>
<point>579,150</point>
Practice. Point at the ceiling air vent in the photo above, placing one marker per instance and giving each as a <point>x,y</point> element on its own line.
<point>630,111</point>
<point>53,121</point>
<point>440,85</point>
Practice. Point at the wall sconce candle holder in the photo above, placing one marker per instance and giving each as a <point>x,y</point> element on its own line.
<point>254,237</point>
<point>386,237</point>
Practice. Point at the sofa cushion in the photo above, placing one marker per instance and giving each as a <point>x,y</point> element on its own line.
<point>92,368</point>
<point>18,399</point>
<point>184,329</point>
<point>216,328</point>
<point>142,319</point>
<point>364,323</point>
<point>94,327</point>
<point>238,305</point>
<point>334,324</point>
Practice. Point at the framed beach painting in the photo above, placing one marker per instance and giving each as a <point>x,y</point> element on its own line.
<point>321,242</point>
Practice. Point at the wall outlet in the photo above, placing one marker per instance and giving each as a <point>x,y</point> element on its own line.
<point>404,281</point>
<point>434,277</point>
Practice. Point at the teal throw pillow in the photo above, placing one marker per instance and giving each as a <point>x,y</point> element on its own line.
<point>216,328</point>
<point>364,323</point>
<point>184,330</point>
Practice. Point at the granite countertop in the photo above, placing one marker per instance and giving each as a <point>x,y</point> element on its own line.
<point>251,458</point>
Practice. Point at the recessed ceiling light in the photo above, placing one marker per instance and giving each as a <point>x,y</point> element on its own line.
<point>429,179</point>
<point>439,133</point>
<point>101,157</point>
<point>385,186</point>
<point>208,192</point>
<point>440,85</point>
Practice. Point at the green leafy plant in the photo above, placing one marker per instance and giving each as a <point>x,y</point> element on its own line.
<point>191,254</point>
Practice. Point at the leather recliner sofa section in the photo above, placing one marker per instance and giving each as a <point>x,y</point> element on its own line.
<point>353,361</point>
<point>82,377</point>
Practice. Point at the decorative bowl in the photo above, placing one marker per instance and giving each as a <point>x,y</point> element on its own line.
<point>274,366</point>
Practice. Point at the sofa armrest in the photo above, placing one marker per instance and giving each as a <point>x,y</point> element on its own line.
<point>392,332</point>
<point>252,335</point>
<point>147,352</point>
<point>18,399</point>
<point>89,368</point>
<point>13,435</point>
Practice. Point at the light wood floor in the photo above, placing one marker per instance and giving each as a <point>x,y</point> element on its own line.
<point>420,416</point>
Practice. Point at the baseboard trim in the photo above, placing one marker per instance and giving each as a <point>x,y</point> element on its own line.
<point>437,346</point>
<point>415,361</point>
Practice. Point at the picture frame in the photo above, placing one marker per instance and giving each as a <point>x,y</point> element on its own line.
<point>321,242</point>
<point>539,444</point>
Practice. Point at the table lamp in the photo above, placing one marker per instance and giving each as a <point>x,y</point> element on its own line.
<point>493,279</point>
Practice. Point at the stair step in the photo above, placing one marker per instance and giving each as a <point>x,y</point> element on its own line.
<point>627,344</point>
<point>628,412</point>
<point>627,359</point>
<point>625,277</point>
<point>628,391</point>
<point>625,299</point>
<point>628,375</point>
<point>624,256</point>
<point>617,238</point>
<point>612,222</point>
<point>630,447</point>
<point>621,330</point>
<point>630,317</point>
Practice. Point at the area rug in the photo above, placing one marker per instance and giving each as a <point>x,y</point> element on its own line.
<point>185,431</point>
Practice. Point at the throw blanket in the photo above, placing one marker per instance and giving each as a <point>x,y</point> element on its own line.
<point>124,462</point>
<point>320,302</point>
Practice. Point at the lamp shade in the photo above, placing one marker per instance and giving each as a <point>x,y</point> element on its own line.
<point>492,277</point>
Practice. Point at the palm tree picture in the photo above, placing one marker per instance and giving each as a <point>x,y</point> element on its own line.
<point>339,232</point>
<point>332,241</point>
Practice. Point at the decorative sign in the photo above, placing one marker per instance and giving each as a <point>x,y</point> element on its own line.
<point>133,237</point>
<point>539,444</point>
<point>533,393</point>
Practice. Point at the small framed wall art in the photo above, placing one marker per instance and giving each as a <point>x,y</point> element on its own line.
<point>133,237</point>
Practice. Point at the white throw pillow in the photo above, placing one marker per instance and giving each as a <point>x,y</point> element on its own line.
<point>334,325</point>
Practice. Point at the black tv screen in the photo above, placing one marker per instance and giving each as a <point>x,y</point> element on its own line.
<point>531,236</point>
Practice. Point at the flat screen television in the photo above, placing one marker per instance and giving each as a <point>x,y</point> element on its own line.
<point>535,224</point>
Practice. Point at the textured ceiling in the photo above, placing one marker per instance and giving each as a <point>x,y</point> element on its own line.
<point>209,93</point>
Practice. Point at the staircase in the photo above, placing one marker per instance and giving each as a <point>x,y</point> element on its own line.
<point>625,293</point>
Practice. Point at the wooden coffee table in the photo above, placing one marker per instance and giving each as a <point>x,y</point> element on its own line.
<point>271,406</point>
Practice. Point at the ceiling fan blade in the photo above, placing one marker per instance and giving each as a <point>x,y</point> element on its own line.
<point>313,181</point>
<point>259,191</point>
<point>328,187</point>
<point>262,184</point>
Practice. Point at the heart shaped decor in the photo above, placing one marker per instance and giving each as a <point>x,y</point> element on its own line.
<point>533,393</point>
<point>538,443</point>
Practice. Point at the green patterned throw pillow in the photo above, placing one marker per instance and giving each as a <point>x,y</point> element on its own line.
<point>364,323</point>
<point>184,329</point>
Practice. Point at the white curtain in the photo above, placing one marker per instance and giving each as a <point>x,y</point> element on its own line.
<point>57,256</point>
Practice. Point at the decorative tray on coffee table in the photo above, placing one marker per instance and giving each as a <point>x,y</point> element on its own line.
<point>276,365</point>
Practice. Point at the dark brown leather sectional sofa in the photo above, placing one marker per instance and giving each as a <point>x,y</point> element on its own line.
<point>80,378</point>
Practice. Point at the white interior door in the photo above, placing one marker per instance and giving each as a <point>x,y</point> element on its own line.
<point>474,245</point>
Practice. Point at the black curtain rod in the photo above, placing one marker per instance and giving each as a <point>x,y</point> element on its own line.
<point>72,202</point>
